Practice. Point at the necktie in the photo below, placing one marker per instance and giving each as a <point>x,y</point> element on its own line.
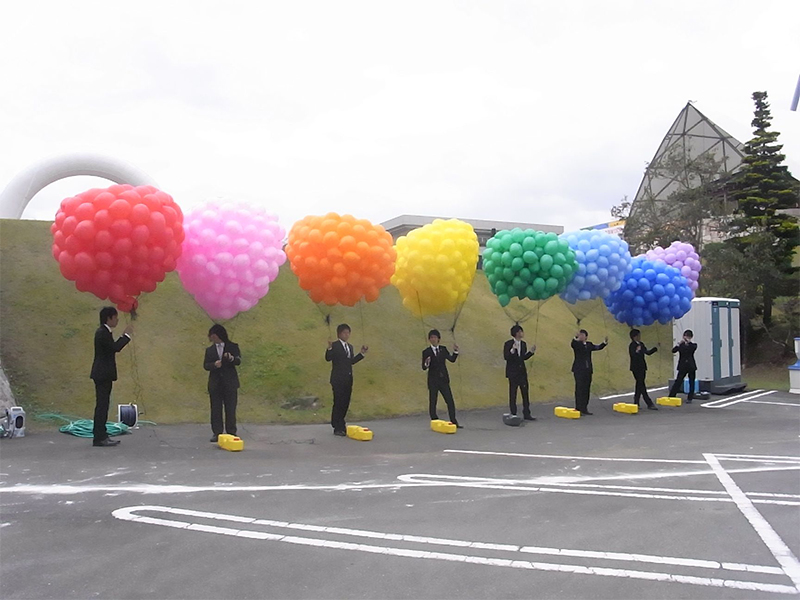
<point>347,350</point>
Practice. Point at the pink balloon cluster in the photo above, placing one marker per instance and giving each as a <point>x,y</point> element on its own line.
<point>683,257</point>
<point>230,255</point>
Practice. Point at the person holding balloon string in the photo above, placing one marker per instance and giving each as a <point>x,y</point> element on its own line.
<point>686,365</point>
<point>104,370</point>
<point>582,368</point>
<point>637,352</point>
<point>221,359</point>
<point>434,361</point>
<point>515,353</point>
<point>342,357</point>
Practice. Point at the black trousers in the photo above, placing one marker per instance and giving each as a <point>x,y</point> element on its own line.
<point>583,384</point>
<point>641,388</point>
<point>102,390</point>
<point>342,391</point>
<point>443,386</point>
<point>678,385</point>
<point>520,383</point>
<point>226,398</point>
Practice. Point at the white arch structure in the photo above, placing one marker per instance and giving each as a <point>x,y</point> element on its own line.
<point>29,182</point>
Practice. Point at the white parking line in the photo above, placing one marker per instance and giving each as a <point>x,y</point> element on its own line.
<point>729,398</point>
<point>129,514</point>
<point>768,535</point>
<point>763,457</point>
<point>600,490</point>
<point>730,401</point>
<point>658,389</point>
<point>581,458</point>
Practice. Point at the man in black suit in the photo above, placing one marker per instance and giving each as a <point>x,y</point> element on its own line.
<point>104,370</point>
<point>221,359</point>
<point>686,365</point>
<point>637,351</point>
<point>582,368</point>
<point>515,352</point>
<point>342,356</point>
<point>434,359</point>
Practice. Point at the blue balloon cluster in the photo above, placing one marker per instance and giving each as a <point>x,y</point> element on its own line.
<point>603,260</point>
<point>652,291</point>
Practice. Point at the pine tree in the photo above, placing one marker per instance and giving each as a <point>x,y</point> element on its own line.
<point>764,189</point>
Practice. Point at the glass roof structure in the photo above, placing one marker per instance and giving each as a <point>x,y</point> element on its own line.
<point>694,152</point>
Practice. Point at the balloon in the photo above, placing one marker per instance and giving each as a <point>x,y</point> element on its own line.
<point>340,259</point>
<point>436,266</point>
<point>683,257</point>
<point>598,276</point>
<point>118,242</point>
<point>642,301</point>
<point>540,264</point>
<point>231,254</point>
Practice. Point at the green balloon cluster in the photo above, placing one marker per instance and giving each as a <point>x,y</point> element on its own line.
<point>527,264</point>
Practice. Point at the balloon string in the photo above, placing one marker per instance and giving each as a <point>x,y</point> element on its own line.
<point>421,318</point>
<point>363,328</point>
<point>460,308</point>
<point>528,315</point>
<point>608,356</point>
<point>231,325</point>
<point>535,340</point>
<point>326,317</point>
<point>138,394</point>
<point>660,361</point>
<point>455,320</point>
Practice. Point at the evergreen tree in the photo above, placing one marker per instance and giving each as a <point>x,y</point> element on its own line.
<point>765,188</point>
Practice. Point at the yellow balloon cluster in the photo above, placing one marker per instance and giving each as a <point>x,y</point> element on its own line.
<point>435,266</point>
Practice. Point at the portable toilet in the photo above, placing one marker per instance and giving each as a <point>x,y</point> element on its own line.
<point>715,323</point>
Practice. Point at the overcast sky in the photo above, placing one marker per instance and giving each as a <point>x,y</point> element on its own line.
<point>543,112</point>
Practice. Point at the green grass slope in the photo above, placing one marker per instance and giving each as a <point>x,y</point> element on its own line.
<point>47,328</point>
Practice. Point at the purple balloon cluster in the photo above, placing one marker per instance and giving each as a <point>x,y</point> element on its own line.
<point>683,257</point>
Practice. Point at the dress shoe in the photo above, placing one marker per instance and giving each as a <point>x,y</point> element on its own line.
<point>340,433</point>
<point>214,439</point>
<point>586,412</point>
<point>652,407</point>
<point>458,426</point>
<point>529,418</point>
<point>106,442</point>
<point>688,401</point>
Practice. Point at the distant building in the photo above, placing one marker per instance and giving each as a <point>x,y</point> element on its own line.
<point>695,152</point>
<point>612,227</point>
<point>400,226</point>
<point>692,138</point>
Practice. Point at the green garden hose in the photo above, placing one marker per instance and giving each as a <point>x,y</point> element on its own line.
<point>84,427</point>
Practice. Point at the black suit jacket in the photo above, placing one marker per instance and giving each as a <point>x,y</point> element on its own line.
<point>226,375</point>
<point>686,356</point>
<point>104,366</point>
<point>342,367</point>
<point>637,351</point>
<point>515,363</point>
<point>437,369</point>
<point>583,355</point>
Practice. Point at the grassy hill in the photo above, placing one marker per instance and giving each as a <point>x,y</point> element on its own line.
<point>47,328</point>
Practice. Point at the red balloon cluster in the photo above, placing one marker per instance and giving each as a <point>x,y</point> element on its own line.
<point>118,242</point>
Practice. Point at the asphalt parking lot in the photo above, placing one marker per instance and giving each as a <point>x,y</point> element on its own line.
<point>686,502</point>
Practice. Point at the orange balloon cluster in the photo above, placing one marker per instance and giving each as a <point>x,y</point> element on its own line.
<point>340,259</point>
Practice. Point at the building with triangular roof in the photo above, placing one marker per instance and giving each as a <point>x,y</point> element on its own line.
<point>695,151</point>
